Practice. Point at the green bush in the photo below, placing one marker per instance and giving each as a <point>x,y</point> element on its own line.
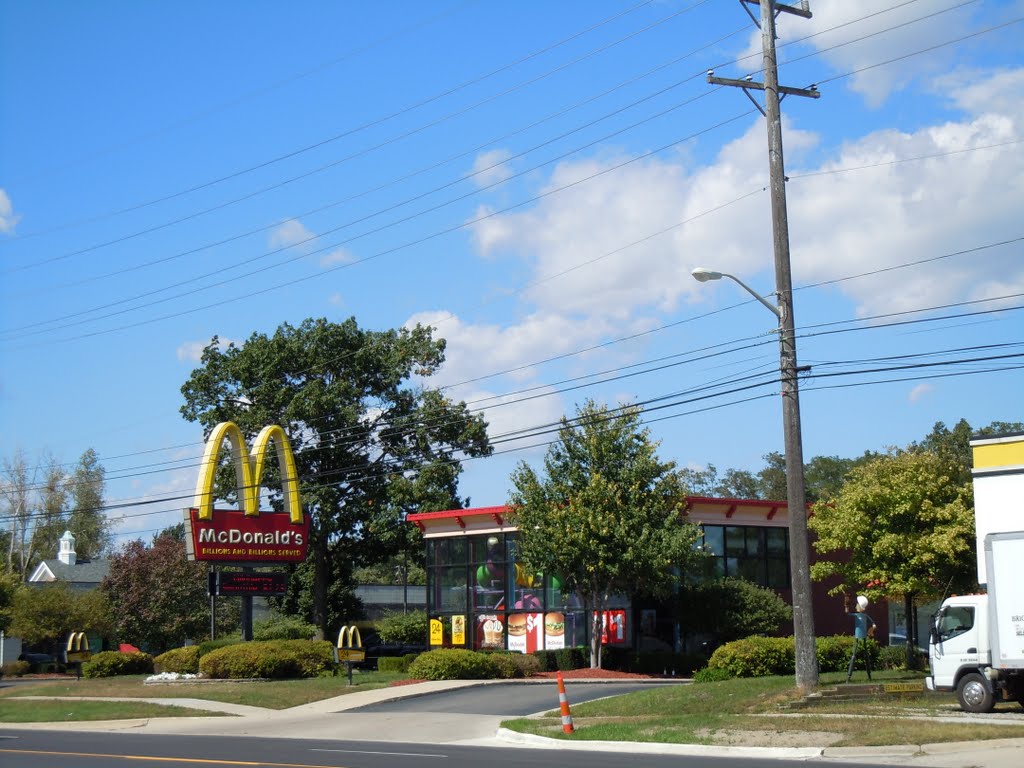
<point>270,659</point>
<point>504,665</point>
<point>403,628</point>
<point>112,663</point>
<point>834,653</point>
<point>895,657</point>
<point>223,642</point>
<point>730,609</point>
<point>755,657</point>
<point>709,675</point>
<point>572,658</point>
<point>15,669</point>
<point>528,665</point>
<point>392,664</point>
<point>184,661</point>
<point>453,664</point>
<point>279,627</point>
<point>546,660</point>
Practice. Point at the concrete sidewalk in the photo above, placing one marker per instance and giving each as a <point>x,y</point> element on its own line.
<point>333,719</point>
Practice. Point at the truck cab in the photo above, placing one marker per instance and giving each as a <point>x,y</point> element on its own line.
<point>959,653</point>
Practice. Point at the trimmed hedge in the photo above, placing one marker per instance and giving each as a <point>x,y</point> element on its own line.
<point>761,656</point>
<point>184,661</point>
<point>453,664</point>
<point>271,659</point>
<point>15,668</point>
<point>393,664</point>
<point>113,663</point>
<point>283,628</point>
<point>212,645</point>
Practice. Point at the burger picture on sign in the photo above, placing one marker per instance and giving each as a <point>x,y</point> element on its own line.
<point>554,630</point>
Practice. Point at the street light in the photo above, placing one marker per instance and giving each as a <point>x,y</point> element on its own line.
<point>799,559</point>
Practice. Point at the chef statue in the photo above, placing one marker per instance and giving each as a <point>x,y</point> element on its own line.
<point>863,628</point>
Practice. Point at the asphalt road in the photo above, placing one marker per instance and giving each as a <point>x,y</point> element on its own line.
<point>504,699</point>
<point>51,749</point>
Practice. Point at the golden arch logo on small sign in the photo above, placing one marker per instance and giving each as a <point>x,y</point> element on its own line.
<point>350,644</point>
<point>245,535</point>
<point>77,649</point>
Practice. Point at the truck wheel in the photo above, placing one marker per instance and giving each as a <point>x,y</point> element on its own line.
<point>973,695</point>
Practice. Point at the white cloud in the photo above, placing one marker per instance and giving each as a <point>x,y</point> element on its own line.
<point>336,299</point>
<point>841,223</point>
<point>875,84</point>
<point>8,218</point>
<point>193,350</point>
<point>491,167</point>
<point>335,257</point>
<point>919,391</point>
<point>289,233</point>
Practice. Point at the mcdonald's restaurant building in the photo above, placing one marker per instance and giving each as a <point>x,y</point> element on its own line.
<point>480,597</point>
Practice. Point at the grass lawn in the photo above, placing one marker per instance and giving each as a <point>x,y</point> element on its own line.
<point>271,694</point>
<point>753,712</point>
<point>14,711</point>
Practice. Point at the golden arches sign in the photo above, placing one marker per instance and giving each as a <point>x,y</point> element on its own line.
<point>249,468</point>
<point>77,649</point>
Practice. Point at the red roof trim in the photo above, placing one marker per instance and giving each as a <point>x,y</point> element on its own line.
<point>450,514</point>
<point>731,511</point>
<point>772,512</point>
<point>691,500</point>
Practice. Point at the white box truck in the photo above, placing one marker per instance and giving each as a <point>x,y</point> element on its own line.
<point>976,646</point>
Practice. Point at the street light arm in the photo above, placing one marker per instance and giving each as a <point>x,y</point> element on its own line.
<point>702,274</point>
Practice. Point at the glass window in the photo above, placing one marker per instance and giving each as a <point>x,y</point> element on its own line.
<point>775,540</point>
<point>450,589</point>
<point>778,574</point>
<point>714,541</point>
<point>955,621</point>
<point>754,536</point>
<point>735,541</point>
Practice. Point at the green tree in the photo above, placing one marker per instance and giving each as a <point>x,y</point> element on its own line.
<point>10,583</point>
<point>605,513</point>
<point>729,609</point>
<point>370,441</point>
<point>44,616</point>
<point>772,478</point>
<point>738,484</point>
<point>902,525</point>
<point>87,520</point>
<point>158,598</point>
<point>50,516</point>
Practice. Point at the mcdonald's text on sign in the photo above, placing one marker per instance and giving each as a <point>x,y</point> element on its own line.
<point>245,535</point>
<point>231,536</point>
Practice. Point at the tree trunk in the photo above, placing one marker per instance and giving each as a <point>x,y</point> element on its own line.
<point>596,625</point>
<point>911,630</point>
<point>321,575</point>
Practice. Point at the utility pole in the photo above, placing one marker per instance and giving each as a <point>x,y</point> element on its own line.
<point>799,546</point>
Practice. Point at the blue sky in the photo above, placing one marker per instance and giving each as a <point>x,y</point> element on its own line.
<point>536,180</point>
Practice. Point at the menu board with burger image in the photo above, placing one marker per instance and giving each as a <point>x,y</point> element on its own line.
<point>554,630</point>
<point>524,632</point>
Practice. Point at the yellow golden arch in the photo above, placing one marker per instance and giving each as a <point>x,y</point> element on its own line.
<point>349,638</point>
<point>77,642</point>
<point>248,470</point>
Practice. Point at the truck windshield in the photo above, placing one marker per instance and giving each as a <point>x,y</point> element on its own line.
<point>954,621</point>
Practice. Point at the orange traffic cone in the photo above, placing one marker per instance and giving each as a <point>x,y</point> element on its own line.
<point>563,704</point>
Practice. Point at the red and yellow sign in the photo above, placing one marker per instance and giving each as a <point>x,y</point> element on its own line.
<point>233,536</point>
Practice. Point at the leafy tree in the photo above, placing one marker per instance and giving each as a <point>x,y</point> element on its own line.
<point>730,609</point>
<point>954,445</point>
<point>605,513</point>
<point>738,484</point>
<point>158,598</point>
<point>50,517</point>
<point>902,525</point>
<point>699,482</point>
<point>87,520</point>
<point>403,628</point>
<point>369,443</point>
<point>396,571</point>
<point>17,499</point>
<point>10,583</point>
<point>44,616</point>
<point>772,478</point>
